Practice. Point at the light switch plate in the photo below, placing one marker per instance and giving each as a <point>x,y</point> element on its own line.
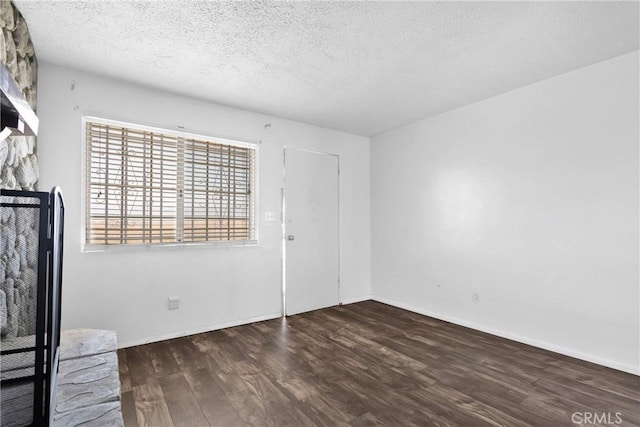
<point>269,216</point>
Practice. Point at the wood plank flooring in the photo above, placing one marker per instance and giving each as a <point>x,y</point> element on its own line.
<point>365,364</point>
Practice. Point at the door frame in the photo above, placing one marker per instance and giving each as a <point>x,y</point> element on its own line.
<point>283,193</point>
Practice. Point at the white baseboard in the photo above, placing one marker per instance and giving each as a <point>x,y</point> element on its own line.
<point>354,300</point>
<point>508,335</point>
<point>515,337</point>
<point>194,331</point>
<point>216,327</point>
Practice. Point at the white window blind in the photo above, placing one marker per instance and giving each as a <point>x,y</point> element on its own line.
<point>147,186</point>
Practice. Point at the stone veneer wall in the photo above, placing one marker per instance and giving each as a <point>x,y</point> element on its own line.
<point>18,170</point>
<point>18,156</point>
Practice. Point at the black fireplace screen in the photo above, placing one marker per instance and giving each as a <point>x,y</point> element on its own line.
<point>30,283</point>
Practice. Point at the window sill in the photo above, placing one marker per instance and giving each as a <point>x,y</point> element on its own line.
<point>166,246</point>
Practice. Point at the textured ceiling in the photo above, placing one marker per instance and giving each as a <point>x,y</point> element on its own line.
<point>361,67</point>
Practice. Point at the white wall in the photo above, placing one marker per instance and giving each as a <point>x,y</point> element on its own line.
<point>529,199</point>
<point>127,290</point>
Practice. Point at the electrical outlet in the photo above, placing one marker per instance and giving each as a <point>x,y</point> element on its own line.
<point>475,297</point>
<point>174,303</point>
<point>269,216</point>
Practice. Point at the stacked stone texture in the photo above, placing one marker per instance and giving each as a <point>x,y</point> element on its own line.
<point>19,171</point>
<point>18,270</point>
<point>18,156</point>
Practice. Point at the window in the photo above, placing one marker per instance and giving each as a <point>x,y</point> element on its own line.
<point>151,186</point>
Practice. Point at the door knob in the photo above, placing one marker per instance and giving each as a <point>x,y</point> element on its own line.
<point>291,237</point>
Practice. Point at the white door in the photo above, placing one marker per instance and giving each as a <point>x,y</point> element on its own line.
<point>311,230</point>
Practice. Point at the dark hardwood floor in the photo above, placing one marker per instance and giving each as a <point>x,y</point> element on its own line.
<point>365,364</point>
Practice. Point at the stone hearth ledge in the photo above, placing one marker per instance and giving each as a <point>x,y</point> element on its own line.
<point>88,384</point>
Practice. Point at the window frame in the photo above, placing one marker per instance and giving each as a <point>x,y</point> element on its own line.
<point>180,133</point>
